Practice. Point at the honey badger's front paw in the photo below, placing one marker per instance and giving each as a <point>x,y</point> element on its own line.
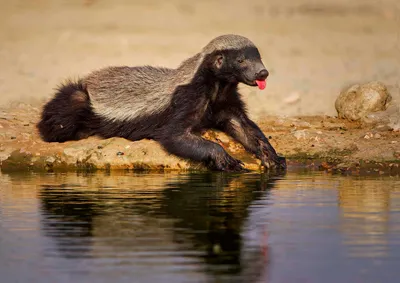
<point>282,162</point>
<point>278,162</point>
<point>271,160</point>
<point>227,163</point>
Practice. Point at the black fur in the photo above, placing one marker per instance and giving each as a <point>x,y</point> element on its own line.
<point>63,117</point>
<point>193,109</point>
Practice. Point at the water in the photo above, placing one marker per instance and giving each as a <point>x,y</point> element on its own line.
<point>126,227</point>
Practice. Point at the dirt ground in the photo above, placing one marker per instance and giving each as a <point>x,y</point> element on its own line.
<point>312,49</point>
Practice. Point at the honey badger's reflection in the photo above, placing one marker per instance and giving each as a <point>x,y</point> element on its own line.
<point>204,212</point>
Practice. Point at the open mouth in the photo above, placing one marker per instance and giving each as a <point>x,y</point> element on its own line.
<point>261,84</point>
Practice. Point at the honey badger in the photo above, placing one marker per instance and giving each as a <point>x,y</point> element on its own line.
<point>170,106</point>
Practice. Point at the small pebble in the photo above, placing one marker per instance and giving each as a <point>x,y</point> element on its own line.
<point>368,136</point>
<point>119,153</point>
<point>217,249</point>
<point>99,147</point>
<point>294,97</point>
<point>377,136</point>
<point>50,159</point>
<point>13,138</point>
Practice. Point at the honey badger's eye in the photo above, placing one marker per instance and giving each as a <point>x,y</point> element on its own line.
<point>240,60</point>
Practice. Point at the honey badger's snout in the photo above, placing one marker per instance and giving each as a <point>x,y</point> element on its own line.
<point>258,71</point>
<point>262,75</point>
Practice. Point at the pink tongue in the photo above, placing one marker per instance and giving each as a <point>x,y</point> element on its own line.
<point>261,84</point>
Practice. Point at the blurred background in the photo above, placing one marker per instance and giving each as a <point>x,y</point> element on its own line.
<point>312,48</point>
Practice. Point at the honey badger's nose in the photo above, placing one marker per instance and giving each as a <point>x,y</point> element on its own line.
<point>262,75</point>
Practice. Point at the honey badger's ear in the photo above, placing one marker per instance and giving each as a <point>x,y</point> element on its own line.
<point>219,60</point>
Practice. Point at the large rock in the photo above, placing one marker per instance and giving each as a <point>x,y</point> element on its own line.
<point>358,101</point>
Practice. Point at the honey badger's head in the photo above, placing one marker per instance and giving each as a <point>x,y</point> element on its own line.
<point>236,59</point>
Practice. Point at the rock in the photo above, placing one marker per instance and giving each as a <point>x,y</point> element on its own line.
<point>75,153</point>
<point>300,134</point>
<point>5,154</point>
<point>358,101</point>
<point>293,98</point>
<point>325,165</point>
<point>26,136</point>
<point>223,138</point>
<point>368,136</point>
<point>50,159</point>
<point>342,166</point>
<point>301,140</point>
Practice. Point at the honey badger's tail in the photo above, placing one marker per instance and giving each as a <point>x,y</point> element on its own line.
<point>65,116</point>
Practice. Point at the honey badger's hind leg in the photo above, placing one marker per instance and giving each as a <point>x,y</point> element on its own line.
<point>196,148</point>
<point>65,116</point>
